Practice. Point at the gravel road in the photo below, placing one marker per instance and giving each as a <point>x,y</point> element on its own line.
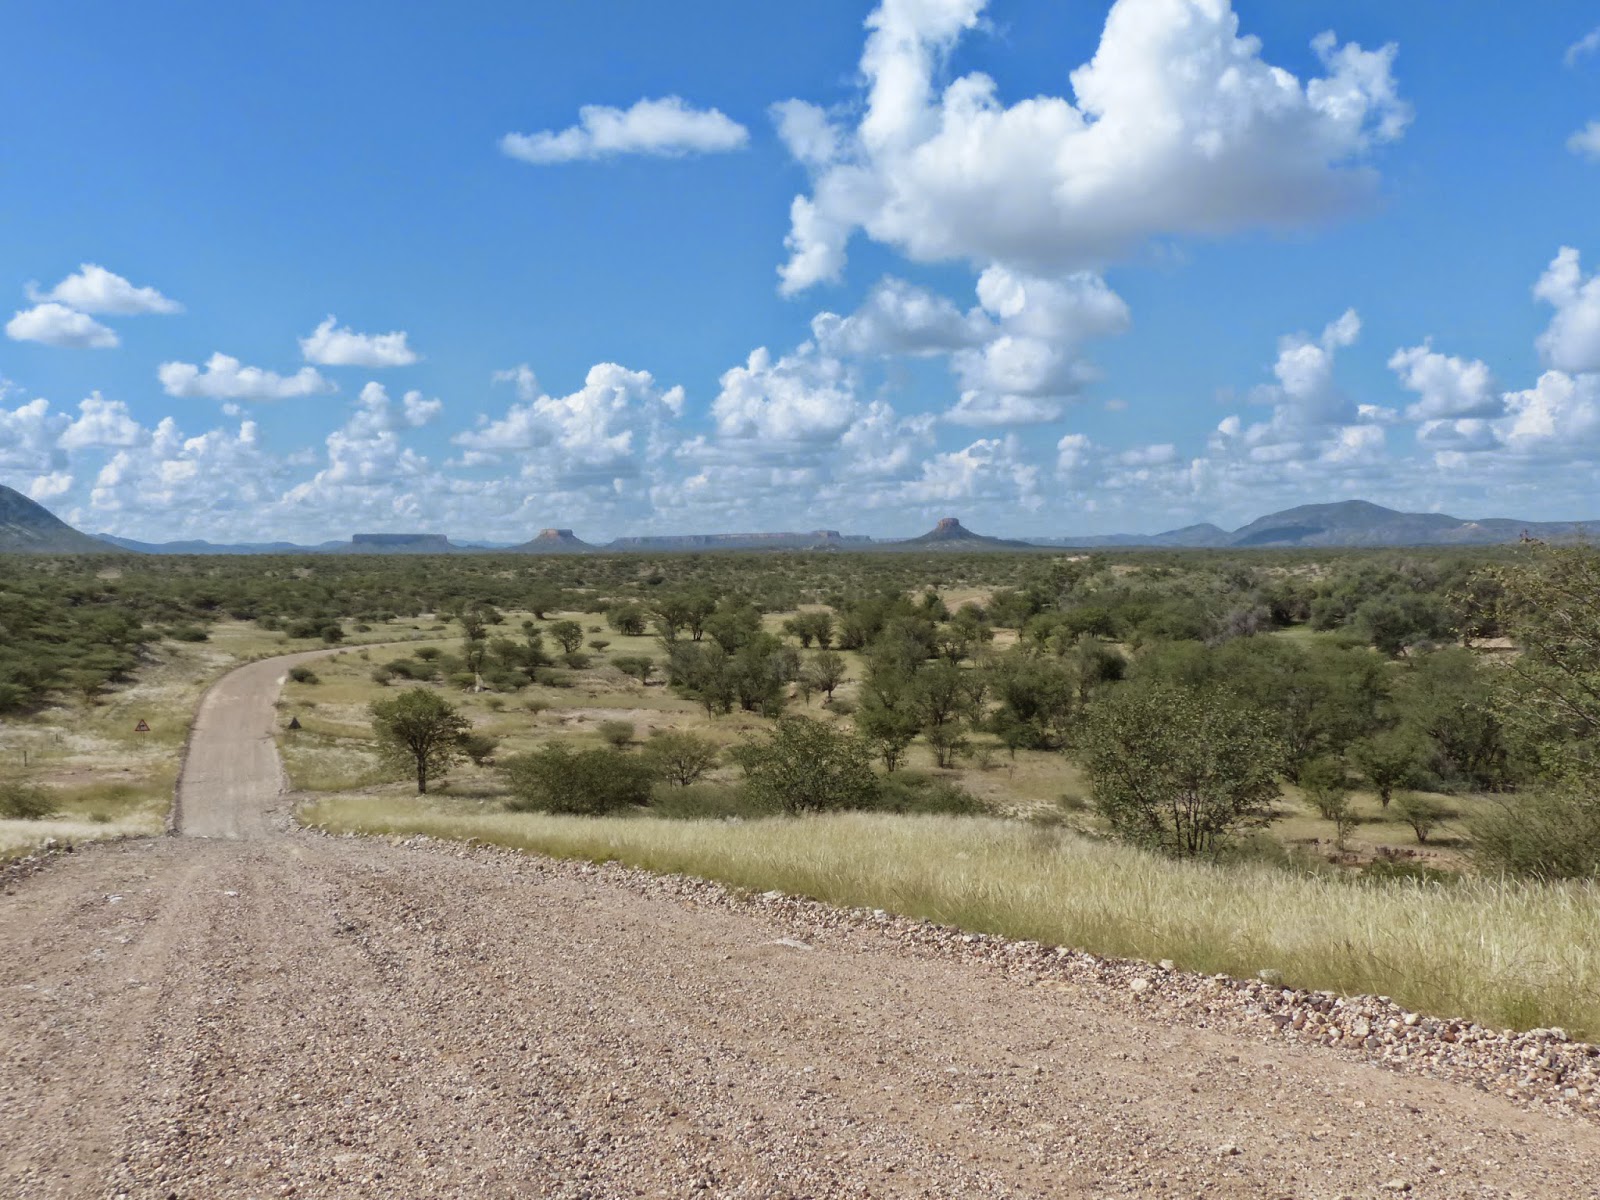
<point>265,1012</point>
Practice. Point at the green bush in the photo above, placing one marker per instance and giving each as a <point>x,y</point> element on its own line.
<point>303,675</point>
<point>919,792</point>
<point>616,733</point>
<point>558,779</point>
<point>680,757</point>
<point>1180,770</point>
<point>808,766</point>
<point>638,666</point>
<point>1420,812</point>
<point>479,747</point>
<point>23,802</point>
<point>1548,835</point>
<point>188,633</point>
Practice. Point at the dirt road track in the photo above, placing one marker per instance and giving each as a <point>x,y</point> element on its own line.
<point>286,1014</point>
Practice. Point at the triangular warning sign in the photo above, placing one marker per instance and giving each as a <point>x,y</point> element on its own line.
<point>142,727</point>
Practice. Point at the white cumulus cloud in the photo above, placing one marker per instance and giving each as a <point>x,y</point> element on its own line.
<point>333,346</point>
<point>50,487</point>
<point>226,378</point>
<point>804,397</point>
<point>669,127</point>
<point>1450,388</point>
<point>596,435</point>
<point>28,434</point>
<point>1572,342</point>
<point>1177,125</point>
<point>57,325</point>
<point>93,289</point>
<point>101,422</point>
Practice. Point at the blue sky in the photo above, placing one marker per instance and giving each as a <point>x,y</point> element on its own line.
<point>1051,267</point>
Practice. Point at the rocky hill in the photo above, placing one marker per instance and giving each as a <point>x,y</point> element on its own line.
<point>951,534</point>
<point>554,541</point>
<point>30,528</point>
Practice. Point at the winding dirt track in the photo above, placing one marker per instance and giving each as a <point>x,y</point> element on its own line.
<point>250,1011</point>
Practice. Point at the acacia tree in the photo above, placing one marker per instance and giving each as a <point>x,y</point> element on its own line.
<point>825,671</point>
<point>680,757</point>
<point>420,730</point>
<point>1180,770</point>
<point>569,634</point>
<point>1549,602</point>
<point>808,766</point>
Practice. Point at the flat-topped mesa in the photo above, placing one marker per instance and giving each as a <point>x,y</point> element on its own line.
<point>556,535</point>
<point>949,525</point>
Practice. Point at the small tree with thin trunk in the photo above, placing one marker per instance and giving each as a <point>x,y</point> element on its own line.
<point>1180,770</point>
<point>420,730</point>
<point>680,757</point>
<point>825,671</point>
<point>1390,761</point>
<point>569,634</point>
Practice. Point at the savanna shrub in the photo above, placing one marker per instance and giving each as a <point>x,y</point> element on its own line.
<point>919,792</point>
<point>23,802</point>
<point>558,779</point>
<point>808,766</point>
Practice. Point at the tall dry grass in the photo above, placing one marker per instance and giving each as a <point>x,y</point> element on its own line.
<point>1501,953</point>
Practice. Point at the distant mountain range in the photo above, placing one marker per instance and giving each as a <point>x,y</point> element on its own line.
<point>27,527</point>
<point>1348,523</point>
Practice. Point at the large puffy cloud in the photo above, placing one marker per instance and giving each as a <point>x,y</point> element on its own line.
<point>1572,342</point>
<point>213,484</point>
<point>365,451</point>
<point>666,127</point>
<point>1030,365</point>
<point>1178,126</point>
<point>988,471</point>
<point>601,433</point>
<point>804,397</point>
<point>1016,354</point>
<point>93,289</point>
<point>1559,417</point>
<point>101,423</point>
<point>226,378</point>
<point>332,346</point>
<point>899,318</point>
<point>1450,388</point>
<point>55,324</point>
<point>1308,406</point>
<point>29,434</point>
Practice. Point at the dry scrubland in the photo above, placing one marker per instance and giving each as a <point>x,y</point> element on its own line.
<point>333,751</point>
<point>107,780</point>
<point>1506,954</point>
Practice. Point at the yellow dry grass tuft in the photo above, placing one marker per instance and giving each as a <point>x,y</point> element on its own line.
<point>1500,953</point>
